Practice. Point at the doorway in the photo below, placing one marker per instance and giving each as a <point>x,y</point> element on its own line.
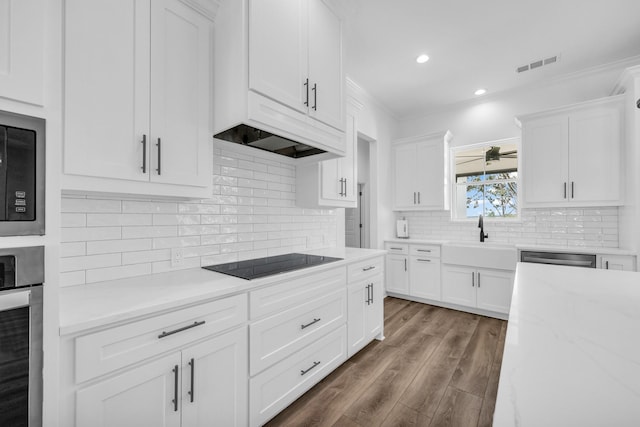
<point>354,222</point>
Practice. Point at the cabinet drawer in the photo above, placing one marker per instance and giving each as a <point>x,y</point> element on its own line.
<point>111,349</point>
<point>366,268</point>
<point>275,298</point>
<point>278,336</point>
<point>397,248</point>
<point>278,386</point>
<point>425,250</point>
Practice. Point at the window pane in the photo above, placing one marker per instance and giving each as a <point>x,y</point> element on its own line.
<point>502,175</point>
<point>501,200</point>
<point>475,200</point>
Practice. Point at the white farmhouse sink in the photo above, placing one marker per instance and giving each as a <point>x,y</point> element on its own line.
<point>502,256</point>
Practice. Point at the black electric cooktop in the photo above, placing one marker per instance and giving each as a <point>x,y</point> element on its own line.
<point>262,267</point>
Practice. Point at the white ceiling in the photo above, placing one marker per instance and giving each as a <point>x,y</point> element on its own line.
<point>478,43</point>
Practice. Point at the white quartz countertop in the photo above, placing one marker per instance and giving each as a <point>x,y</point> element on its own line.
<point>93,305</point>
<point>521,246</point>
<point>572,350</point>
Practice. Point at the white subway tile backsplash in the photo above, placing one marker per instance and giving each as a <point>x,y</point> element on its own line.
<point>116,246</point>
<point>112,273</point>
<point>593,227</point>
<point>250,214</point>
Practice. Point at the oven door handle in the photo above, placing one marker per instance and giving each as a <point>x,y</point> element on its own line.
<point>567,262</point>
<point>11,300</point>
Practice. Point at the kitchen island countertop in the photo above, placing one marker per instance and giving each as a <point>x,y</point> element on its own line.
<point>572,350</point>
<point>87,306</point>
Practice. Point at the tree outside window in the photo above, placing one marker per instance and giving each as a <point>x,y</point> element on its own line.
<point>486,180</point>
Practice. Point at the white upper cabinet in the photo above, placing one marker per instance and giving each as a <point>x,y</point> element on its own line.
<point>326,99</point>
<point>137,100</point>
<point>22,29</point>
<point>331,183</point>
<point>571,156</point>
<point>278,68</point>
<point>421,172</point>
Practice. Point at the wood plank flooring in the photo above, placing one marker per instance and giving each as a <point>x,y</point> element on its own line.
<point>436,367</point>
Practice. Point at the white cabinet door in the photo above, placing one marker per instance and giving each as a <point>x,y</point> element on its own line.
<point>424,278</point>
<point>180,45</point>
<point>429,177</point>
<point>326,77</point>
<point>22,27</point>
<point>338,176</point>
<point>494,288</point>
<point>374,308</point>
<point>106,88</point>
<point>404,158</point>
<point>594,155</point>
<point>357,329</point>
<point>214,381</point>
<point>278,66</point>
<point>545,157</point>
<point>459,285</point>
<point>397,271</point>
<point>143,396</point>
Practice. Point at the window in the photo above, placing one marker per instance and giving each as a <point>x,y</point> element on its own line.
<point>486,180</point>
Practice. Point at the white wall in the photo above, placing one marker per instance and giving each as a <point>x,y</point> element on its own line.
<point>491,117</point>
<point>377,125</point>
<point>630,213</point>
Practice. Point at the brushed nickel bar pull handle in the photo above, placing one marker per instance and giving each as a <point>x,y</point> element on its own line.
<point>345,187</point>
<point>310,323</point>
<point>306,85</point>
<point>371,293</point>
<point>315,97</point>
<point>175,331</point>
<point>175,388</point>
<point>405,264</point>
<point>423,250</point>
<point>572,196</point>
<point>396,249</point>
<point>368,296</point>
<point>565,190</point>
<point>607,265</point>
<point>473,279</point>
<point>478,279</point>
<point>418,197</point>
<point>192,363</point>
<point>304,371</point>
<point>144,153</point>
<point>369,268</point>
<point>423,260</point>
<point>414,197</point>
<point>159,156</point>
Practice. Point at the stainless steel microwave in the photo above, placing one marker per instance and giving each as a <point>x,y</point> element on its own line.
<point>22,175</point>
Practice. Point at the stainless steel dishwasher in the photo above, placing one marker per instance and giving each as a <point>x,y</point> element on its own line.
<point>559,258</point>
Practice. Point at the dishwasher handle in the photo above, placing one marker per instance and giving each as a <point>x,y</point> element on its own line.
<point>567,262</point>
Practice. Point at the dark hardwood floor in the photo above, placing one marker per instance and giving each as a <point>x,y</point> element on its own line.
<point>436,367</point>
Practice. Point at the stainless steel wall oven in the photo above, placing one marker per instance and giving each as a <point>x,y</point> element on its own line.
<point>21,278</point>
<point>22,174</point>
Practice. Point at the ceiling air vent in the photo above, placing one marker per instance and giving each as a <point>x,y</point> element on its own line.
<point>537,64</point>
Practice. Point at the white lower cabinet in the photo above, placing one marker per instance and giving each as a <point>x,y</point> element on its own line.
<point>485,289</point>
<point>618,262</point>
<point>413,270</point>
<point>183,368</point>
<point>397,273</point>
<point>202,383</point>
<point>274,389</point>
<point>365,312</point>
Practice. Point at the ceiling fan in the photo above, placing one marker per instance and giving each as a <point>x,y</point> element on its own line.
<point>493,153</point>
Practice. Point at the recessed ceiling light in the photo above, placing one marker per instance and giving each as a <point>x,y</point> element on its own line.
<point>422,59</point>
<point>480,92</point>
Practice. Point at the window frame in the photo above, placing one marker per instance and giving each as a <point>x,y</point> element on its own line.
<point>454,184</point>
